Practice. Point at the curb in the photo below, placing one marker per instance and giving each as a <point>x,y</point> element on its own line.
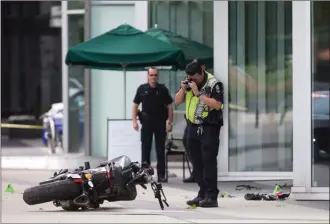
<point>56,162</point>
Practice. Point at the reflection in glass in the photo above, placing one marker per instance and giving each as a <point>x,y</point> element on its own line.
<point>76,5</point>
<point>76,87</point>
<point>193,20</point>
<point>260,86</point>
<point>320,93</point>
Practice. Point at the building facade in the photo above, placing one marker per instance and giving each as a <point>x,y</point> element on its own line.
<point>273,59</point>
<point>31,58</point>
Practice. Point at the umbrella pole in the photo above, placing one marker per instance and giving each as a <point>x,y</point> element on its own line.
<point>124,70</point>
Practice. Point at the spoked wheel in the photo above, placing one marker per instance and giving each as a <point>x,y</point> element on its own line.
<point>51,141</point>
<point>51,145</point>
<point>59,141</point>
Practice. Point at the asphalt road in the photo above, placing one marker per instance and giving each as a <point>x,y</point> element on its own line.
<point>145,208</point>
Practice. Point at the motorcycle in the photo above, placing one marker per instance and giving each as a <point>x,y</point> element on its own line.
<point>85,188</point>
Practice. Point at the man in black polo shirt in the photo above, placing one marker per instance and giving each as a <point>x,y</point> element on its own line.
<point>156,110</point>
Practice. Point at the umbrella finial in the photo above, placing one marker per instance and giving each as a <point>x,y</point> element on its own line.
<point>125,22</point>
<point>156,25</point>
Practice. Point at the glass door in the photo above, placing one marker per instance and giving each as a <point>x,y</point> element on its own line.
<point>260,86</point>
<point>320,94</point>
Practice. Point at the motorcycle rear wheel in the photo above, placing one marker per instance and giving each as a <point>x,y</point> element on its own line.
<point>58,190</point>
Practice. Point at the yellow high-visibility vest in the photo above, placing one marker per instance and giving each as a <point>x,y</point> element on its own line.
<point>197,110</point>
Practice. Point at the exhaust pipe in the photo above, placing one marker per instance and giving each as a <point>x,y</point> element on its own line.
<point>81,200</point>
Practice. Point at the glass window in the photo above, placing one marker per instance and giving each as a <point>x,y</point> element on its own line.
<point>76,36</point>
<point>190,19</point>
<point>260,86</point>
<point>76,5</point>
<point>320,93</point>
<point>193,19</point>
<point>76,86</point>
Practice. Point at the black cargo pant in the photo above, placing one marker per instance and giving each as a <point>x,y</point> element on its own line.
<point>203,144</point>
<point>147,131</point>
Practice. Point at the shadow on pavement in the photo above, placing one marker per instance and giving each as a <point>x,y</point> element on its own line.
<point>22,147</point>
<point>101,209</point>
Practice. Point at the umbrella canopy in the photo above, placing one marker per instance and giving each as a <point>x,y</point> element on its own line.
<point>124,46</point>
<point>189,48</point>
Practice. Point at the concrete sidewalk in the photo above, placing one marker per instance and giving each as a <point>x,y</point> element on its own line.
<point>145,208</point>
<point>31,154</point>
<point>56,162</point>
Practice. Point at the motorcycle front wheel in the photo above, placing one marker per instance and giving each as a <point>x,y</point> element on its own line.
<point>51,145</point>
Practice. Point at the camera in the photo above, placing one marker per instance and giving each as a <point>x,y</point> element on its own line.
<point>187,81</point>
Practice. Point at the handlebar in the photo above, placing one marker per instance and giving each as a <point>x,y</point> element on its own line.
<point>144,175</point>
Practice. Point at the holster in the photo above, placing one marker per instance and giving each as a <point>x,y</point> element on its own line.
<point>143,117</point>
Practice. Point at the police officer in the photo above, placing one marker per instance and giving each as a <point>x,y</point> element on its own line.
<point>203,95</point>
<point>156,110</point>
<point>191,179</point>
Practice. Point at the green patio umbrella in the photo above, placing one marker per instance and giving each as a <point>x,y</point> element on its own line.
<point>123,48</point>
<point>189,48</point>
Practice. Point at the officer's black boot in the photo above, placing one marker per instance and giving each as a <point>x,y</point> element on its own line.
<point>195,201</point>
<point>208,203</point>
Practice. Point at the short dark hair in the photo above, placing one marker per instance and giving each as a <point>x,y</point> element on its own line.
<point>198,61</point>
<point>193,68</point>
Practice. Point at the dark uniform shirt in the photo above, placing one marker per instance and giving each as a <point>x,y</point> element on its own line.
<point>154,100</point>
<point>217,94</point>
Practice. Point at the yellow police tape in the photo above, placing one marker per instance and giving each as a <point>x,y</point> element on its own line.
<point>21,126</point>
<point>237,107</point>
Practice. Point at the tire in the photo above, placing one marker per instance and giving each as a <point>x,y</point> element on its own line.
<point>59,190</point>
<point>52,145</point>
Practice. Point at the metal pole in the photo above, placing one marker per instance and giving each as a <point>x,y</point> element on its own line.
<point>87,85</point>
<point>65,78</point>
<point>125,115</point>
